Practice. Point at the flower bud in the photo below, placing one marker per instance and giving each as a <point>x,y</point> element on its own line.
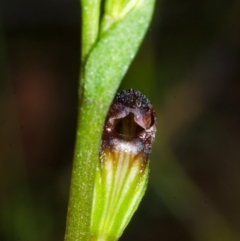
<point>123,168</point>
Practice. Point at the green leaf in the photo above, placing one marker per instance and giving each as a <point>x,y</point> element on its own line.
<point>120,184</point>
<point>114,52</point>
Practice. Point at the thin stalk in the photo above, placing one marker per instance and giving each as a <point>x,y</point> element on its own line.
<point>90,25</point>
<point>85,159</point>
<point>86,149</point>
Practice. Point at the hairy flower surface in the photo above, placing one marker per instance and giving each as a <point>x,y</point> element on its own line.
<point>123,168</point>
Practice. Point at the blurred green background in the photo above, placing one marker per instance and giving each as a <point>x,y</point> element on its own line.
<point>188,66</point>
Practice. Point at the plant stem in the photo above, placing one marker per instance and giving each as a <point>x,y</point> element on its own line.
<point>87,149</point>
<point>82,183</point>
<point>90,25</point>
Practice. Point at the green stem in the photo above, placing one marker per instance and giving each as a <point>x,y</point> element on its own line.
<point>90,25</point>
<point>83,177</point>
<point>87,149</point>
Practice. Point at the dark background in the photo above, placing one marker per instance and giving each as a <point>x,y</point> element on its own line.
<point>188,66</point>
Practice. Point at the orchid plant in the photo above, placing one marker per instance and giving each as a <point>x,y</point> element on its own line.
<point>110,40</point>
